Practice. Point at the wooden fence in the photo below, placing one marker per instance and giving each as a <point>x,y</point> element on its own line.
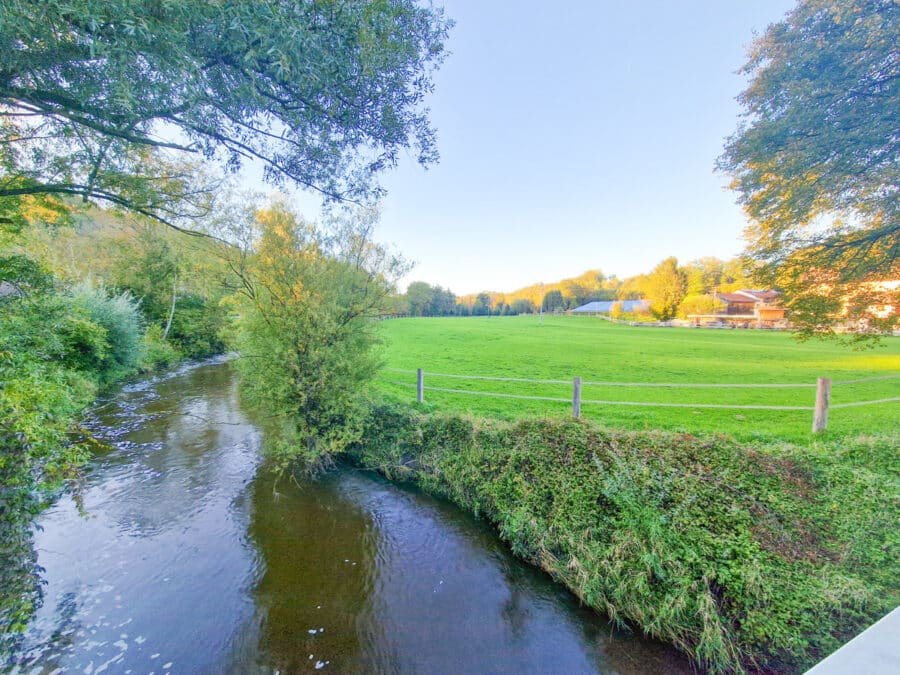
<point>821,404</point>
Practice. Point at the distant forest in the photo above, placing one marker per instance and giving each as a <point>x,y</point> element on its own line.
<point>671,288</point>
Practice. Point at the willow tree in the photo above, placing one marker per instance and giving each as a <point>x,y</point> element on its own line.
<point>816,162</point>
<point>308,297</point>
<point>122,101</point>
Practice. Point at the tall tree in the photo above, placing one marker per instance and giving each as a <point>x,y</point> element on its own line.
<point>816,162</point>
<point>443,302</point>
<point>98,98</point>
<point>482,306</point>
<point>704,275</point>
<point>420,296</point>
<point>666,287</point>
<point>553,300</point>
<point>306,333</point>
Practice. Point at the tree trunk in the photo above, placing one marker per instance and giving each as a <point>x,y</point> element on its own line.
<point>172,308</point>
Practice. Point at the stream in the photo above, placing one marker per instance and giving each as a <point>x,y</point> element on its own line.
<point>181,554</point>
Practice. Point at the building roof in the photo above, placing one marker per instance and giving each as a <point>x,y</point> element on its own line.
<point>735,297</point>
<point>605,306</point>
<point>761,295</point>
<point>745,296</point>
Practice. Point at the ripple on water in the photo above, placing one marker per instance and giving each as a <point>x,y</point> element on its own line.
<point>190,559</point>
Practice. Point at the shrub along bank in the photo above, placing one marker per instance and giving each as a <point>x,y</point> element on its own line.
<point>59,346</point>
<point>745,558</point>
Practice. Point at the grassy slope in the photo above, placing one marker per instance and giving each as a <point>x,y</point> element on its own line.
<point>597,350</point>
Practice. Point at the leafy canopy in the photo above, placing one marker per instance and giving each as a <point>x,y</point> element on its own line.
<point>666,287</point>
<point>816,163</point>
<point>120,101</point>
<point>306,332</point>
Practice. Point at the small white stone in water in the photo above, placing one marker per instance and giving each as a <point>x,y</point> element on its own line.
<point>310,656</point>
<point>320,665</point>
<point>154,656</point>
<point>312,631</point>
<point>168,665</point>
<point>318,606</point>
<point>321,630</point>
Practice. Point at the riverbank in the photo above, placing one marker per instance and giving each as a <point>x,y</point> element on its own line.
<point>182,552</point>
<point>744,557</point>
<point>47,383</point>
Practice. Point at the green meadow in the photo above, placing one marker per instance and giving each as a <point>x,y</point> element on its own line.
<point>562,347</point>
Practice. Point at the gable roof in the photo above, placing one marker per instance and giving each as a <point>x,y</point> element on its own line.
<point>605,306</point>
<point>747,296</point>
<point>736,297</point>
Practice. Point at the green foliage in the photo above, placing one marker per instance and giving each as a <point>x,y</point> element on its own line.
<point>150,262</point>
<point>43,345</point>
<point>815,163</point>
<point>699,304</point>
<point>85,85</point>
<point>198,326</point>
<point>55,350</point>
<point>157,351</point>
<point>419,295</point>
<point>482,305</point>
<point>119,318</point>
<point>306,333</point>
<point>759,558</point>
<point>553,301</point>
<point>522,306</point>
<point>22,272</point>
<point>666,287</point>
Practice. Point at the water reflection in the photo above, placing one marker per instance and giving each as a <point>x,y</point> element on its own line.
<point>192,559</point>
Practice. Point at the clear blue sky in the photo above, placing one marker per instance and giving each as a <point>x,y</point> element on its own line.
<point>573,136</point>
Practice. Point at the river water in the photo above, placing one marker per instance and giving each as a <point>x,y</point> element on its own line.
<point>182,554</point>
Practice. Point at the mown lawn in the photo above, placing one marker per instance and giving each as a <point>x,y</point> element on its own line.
<point>598,351</point>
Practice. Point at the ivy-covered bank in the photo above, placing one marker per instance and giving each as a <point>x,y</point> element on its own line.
<point>745,558</point>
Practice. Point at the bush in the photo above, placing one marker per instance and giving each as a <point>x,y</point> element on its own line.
<point>120,317</point>
<point>43,349</point>
<point>197,326</point>
<point>157,352</point>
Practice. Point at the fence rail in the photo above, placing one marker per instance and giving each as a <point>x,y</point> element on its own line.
<point>820,409</point>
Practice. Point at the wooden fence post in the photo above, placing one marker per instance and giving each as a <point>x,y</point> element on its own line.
<point>420,386</point>
<point>576,398</point>
<point>823,396</point>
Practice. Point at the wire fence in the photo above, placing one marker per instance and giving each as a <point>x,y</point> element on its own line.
<point>820,408</point>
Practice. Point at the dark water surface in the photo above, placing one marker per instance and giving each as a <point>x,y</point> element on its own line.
<point>183,556</point>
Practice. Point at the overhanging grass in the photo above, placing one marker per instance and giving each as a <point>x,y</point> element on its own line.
<point>596,350</point>
<point>762,557</point>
